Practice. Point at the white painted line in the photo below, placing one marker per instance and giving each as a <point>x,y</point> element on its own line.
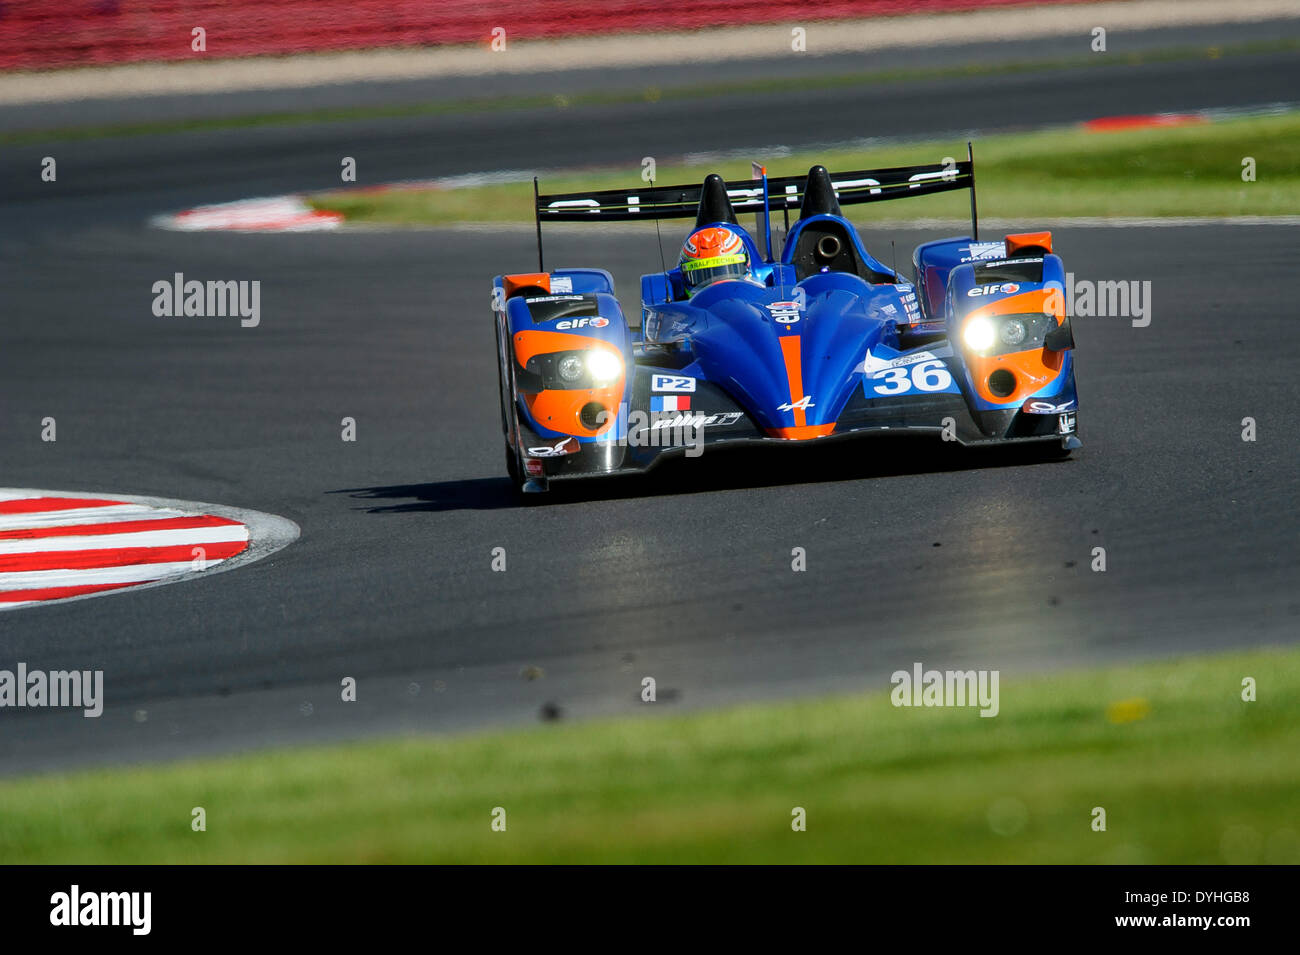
<point>129,573</point>
<point>164,538</point>
<point>82,515</point>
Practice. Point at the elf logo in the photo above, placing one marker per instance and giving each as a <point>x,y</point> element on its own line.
<point>582,323</point>
<point>787,313</point>
<point>1006,288</point>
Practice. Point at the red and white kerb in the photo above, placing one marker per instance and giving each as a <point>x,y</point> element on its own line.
<point>55,546</point>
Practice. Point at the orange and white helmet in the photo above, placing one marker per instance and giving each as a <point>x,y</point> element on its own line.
<point>711,255</point>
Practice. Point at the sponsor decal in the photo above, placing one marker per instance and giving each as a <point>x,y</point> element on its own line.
<point>721,419</point>
<point>802,404</point>
<point>561,283</point>
<point>582,323</point>
<point>554,298</point>
<point>678,383</point>
<point>874,363</point>
<point>670,402</point>
<point>713,262</point>
<point>1003,263</point>
<point>640,433</point>
<point>553,450</point>
<point>911,306</point>
<point>983,250</point>
<point>1065,423</point>
<point>1045,406</point>
<point>785,313</point>
<point>1007,288</point>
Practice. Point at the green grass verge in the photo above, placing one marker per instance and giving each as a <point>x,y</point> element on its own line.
<point>1194,775</point>
<point>1171,171</point>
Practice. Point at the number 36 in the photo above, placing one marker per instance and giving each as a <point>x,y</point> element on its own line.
<point>923,376</point>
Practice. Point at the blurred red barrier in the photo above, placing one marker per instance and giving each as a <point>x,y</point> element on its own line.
<point>53,33</point>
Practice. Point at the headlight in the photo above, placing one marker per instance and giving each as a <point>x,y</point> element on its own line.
<point>1012,332</point>
<point>570,368</point>
<point>990,335</point>
<point>979,334</point>
<point>604,366</point>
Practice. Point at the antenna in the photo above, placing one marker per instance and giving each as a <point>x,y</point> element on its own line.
<point>757,171</point>
<point>974,219</point>
<point>537,217</point>
<point>663,266</point>
<point>893,256</point>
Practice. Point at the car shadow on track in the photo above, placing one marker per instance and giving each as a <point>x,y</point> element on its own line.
<point>733,469</point>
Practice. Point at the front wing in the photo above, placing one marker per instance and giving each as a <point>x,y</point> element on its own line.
<point>656,426</point>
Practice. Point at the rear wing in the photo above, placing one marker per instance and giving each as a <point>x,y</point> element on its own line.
<point>785,193</point>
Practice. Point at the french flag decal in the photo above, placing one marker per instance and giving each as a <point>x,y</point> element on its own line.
<point>670,403</point>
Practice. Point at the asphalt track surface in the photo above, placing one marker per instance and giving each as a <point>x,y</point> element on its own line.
<point>915,551</point>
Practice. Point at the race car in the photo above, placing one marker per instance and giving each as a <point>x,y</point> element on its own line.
<point>816,341</point>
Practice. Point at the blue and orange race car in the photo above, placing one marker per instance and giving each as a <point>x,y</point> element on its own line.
<point>813,342</point>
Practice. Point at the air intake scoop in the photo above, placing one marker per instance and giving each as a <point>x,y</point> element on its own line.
<point>715,206</point>
<point>819,195</point>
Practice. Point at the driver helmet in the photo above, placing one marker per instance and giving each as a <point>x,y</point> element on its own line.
<point>711,255</point>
